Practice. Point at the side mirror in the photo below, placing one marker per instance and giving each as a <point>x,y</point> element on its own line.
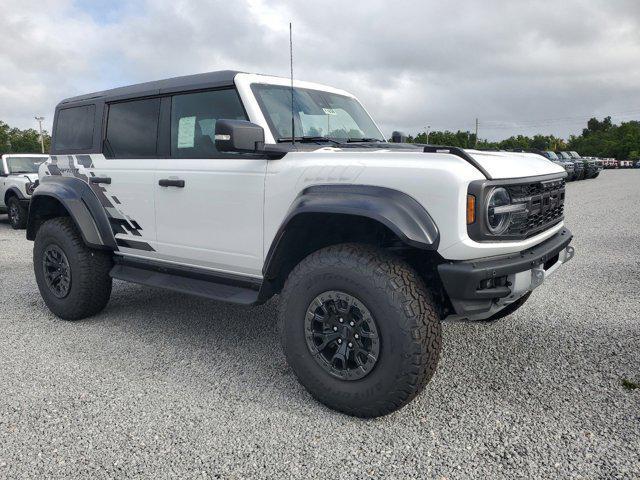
<point>239,136</point>
<point>398,137</point>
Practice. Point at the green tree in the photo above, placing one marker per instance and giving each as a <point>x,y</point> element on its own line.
<point>14,140</point>
<point>5,143</point>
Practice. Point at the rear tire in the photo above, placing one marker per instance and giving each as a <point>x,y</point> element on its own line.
<point>402,318</point>
<point>17,214</point>
<point>73,279</point>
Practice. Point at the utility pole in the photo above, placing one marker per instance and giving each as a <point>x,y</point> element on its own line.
<point>40,119</point>
<point>476,143</point>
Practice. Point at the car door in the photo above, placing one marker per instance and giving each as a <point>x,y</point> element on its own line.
<point>124,177</point>
<point>209,204</point>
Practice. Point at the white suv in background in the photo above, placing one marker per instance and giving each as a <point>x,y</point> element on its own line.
<point>18,180</point>
<point>216,185</point>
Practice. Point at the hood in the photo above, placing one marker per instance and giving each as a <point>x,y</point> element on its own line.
<point>514,164</point>
<point>31,176</point>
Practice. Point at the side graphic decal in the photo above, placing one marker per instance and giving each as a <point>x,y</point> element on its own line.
<point>121,223</point>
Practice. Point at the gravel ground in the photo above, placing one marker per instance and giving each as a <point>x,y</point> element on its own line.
<point>162,385</point>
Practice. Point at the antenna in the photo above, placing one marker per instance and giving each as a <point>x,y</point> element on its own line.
<point>293,123</point>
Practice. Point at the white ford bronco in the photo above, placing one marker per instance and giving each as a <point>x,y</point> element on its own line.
<point>18,180</point>
<point>216,185</point>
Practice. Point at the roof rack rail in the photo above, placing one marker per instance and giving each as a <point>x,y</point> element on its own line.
<point>459,152</point>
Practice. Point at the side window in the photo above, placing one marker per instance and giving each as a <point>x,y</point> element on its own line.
<point>74,128</point>
<point>193,121</point>
<point>132,129</point>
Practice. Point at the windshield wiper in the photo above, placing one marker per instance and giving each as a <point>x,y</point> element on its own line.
<point>20,171</point>
<point>307,139</point>
<point>364,139</point>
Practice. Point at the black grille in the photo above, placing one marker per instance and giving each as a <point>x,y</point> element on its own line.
<point>544,207</point>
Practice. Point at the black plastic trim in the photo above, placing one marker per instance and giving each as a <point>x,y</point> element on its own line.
<point>190,272</point>
<point>16,192</point>
<point>461,279</point>
<point>459,152</point>
<point>399,212</point>
<point>189,280</point>
<point>82,205</point>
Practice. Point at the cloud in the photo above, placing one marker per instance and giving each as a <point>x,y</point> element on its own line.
<point>520,67</point>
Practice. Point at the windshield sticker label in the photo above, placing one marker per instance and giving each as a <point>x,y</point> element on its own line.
<point>329,111</point>
<point>186,132</point>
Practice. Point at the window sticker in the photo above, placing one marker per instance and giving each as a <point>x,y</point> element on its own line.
<point>186,132</point>
<point>329,111</point>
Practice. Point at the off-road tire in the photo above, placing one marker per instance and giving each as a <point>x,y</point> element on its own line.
<point>509,309</point>
<point>403,309</point>
<point>90,286</point>
<point>17,220</point>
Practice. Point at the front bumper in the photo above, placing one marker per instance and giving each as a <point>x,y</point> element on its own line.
<point>479,288</point>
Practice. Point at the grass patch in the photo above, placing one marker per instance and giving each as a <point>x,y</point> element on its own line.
<point>629,385</point>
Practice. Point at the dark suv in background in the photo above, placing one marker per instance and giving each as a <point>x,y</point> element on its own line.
<point>578,165</point>
<point>592,166</point>
<point>568,165</point>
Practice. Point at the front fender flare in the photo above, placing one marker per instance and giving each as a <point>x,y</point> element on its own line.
<point>13,190</point>
<point>81,204</point>
<point>399,212</point>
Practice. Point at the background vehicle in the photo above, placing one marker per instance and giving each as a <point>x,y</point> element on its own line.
<point>625,163</point>
<point>18,180</point>
<point>578,165</point>
<point>206,185</point>
<point>568,165</point>
<point>593,167</point>
<point>609,163</point>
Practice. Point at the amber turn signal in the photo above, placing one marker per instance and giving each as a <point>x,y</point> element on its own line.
<point>471,209</point>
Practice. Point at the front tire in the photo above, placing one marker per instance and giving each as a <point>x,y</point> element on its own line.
<point>359,329</point>
<point>17,214</point>
<point>73,279</point>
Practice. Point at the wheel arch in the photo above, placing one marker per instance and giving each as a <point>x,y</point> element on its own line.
<point>347,213</point>
<point>67,196</point>
<point>13,192</point>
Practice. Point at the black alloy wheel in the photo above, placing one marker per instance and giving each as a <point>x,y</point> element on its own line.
<point>342,335</point>
<point>57,272</point>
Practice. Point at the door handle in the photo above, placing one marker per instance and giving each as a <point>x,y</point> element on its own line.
<point>106,180</point>
<point>171,182</point>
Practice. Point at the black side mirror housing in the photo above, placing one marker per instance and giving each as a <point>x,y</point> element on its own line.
<point>239,136</point>
<point>398,137</point>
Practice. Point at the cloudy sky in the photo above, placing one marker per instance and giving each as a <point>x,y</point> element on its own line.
<point>519,66</point>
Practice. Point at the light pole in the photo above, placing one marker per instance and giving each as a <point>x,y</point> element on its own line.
<point>40,119</point>
<point>428,130</point>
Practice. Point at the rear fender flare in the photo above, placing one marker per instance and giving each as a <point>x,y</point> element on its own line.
<point>81,204</point>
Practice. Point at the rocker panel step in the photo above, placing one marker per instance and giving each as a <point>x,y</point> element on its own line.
<point>190,286</point>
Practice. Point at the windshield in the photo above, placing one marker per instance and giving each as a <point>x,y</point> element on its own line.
<point>316,114</point>
<point>574,154</point>
<point>24,164</point>
<point>551,155</point>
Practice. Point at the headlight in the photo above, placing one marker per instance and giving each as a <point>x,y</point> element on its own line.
<point>498,217</point>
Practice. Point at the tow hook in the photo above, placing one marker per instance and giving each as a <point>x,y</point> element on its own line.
<point>537,276</point>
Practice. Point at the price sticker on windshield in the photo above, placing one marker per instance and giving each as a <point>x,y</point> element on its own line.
<point>329,111</point>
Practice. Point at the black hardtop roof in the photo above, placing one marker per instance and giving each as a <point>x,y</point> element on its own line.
<point>188,82</point>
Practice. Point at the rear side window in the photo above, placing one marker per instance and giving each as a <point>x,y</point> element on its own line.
<point>193,121</point>
<point>132,129</point>
<point>74,128</point>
